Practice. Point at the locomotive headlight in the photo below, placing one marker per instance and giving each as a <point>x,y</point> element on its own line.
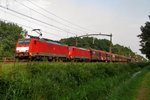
<point>30,54</point>
<point>22,49</point>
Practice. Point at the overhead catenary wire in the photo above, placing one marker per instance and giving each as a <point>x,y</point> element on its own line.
<point>28,27</point>
<point>49,17</point>
<point>1,6</point>
<point>60,17</point>
<point>31,22</point>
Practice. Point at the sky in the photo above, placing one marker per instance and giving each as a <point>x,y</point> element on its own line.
<point>121,18</point>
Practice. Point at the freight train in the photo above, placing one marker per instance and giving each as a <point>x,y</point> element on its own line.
<point>40,48</point>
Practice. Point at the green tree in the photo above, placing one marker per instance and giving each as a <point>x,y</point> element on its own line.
<point>145,39</point>
<point>9,34</point>
<point>118,49</point>
<point>87,42</point>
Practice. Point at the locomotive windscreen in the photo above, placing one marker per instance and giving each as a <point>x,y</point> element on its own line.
<point>27,41</point>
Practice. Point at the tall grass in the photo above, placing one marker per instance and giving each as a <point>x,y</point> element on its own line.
<point>128,90</point>
<point>63,81</point>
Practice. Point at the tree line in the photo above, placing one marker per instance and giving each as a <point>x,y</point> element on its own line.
<point>9,34</point>
<point>99,44</point>
<point>145,39</point>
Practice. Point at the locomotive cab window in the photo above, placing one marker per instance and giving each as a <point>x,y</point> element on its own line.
<point>27,41</point>
<point>20,41</point>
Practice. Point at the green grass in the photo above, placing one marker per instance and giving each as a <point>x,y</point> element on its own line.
<point>64,81</point>
<point>129,89</point>
<point>148,89</point>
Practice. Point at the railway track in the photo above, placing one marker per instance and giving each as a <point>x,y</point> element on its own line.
<point>9,59</point>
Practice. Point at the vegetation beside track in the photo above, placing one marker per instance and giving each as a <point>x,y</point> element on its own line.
<point>143,92</point>
<point>131,89</point>
<point>61,81</point>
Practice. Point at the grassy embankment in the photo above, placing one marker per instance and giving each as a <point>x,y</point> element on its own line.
<point>136,88</point>
<point>65,81</point>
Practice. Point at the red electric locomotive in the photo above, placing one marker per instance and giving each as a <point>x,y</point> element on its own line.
<point>79,54</point>
<point>41,48</point>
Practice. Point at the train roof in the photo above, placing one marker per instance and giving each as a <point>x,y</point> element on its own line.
<point>78,47</point>
<point>52,41</point>
<point>45,40</point>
